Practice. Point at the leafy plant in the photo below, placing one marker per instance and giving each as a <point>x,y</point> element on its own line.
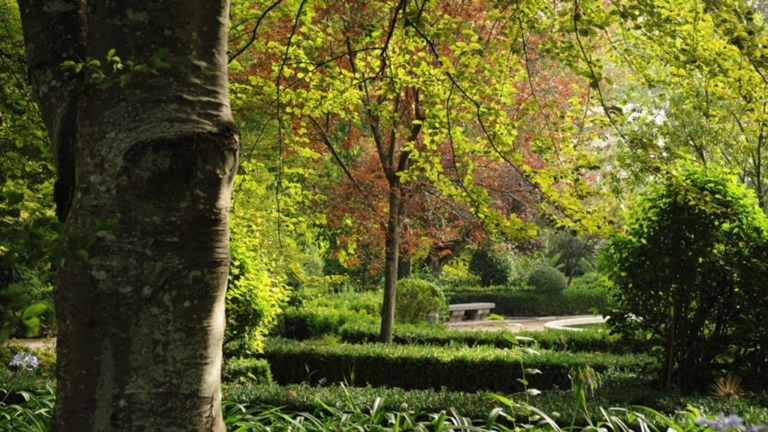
<point>419,301</point>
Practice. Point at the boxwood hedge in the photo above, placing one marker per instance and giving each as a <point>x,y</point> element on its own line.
<point>458,368</point>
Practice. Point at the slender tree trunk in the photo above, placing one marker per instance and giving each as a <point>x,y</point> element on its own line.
<point>391,264</point>
<point>403,266</point>
<point>145,178</point>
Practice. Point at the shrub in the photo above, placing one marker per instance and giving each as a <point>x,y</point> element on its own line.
<point>248,370</point>
<point>424,367</point>
<point>548,280</point>
<point>313,322</point>
<point>490,267</point>
<point>689,275</point>
<point>418,301</point>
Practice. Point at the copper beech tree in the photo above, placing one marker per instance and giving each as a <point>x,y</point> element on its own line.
<point>134,97</point>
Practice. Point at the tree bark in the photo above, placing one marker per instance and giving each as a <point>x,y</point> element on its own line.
<point>145,179</point>
<point>391,263</point>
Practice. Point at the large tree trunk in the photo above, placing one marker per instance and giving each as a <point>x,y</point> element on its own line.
<point>146,173</point>
<point>391,264</point>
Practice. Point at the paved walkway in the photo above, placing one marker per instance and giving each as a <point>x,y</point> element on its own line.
<point>512,323</point>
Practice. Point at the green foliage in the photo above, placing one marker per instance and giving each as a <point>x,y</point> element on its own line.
<point>32,413</point>
<point>424,367</point>
<point>573,252</point>
<point>246,371</point>
<point>365,406</point>
<point>28,226</point>
<point>548,280</point>
<point>491,267</point>
<point>689,275</point>
<point>257,290</point>
<point>419,301</point>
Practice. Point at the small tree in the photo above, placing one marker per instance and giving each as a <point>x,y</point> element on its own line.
<point>689,275</point>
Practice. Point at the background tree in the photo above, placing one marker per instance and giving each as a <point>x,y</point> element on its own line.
<point>134,98</point>
<point>409,98</point>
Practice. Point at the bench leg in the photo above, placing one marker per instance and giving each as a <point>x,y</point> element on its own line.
<point>482,314</point>
<point>457,316</point>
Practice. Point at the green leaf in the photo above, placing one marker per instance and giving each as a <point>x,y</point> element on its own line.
<point>82,255</point>
<point>34,310</point>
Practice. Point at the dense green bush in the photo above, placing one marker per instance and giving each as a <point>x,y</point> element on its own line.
<point>306,323</point>
<point>548,280</point>
<point>490,267</point>
<point>527,303</point>
<point>246,370</point>
<point>424,367</point>
<point>418,301</point>
<point>689,274</point>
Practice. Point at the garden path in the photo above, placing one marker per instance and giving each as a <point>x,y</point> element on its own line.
<point>514,324</point>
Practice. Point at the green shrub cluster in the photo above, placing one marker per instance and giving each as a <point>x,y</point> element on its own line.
<point>431,367</point>
<point>547,280</point>
<point>525,303</point>
<point>418,301</point>
<point>246,370</point>
<point>490,267</point>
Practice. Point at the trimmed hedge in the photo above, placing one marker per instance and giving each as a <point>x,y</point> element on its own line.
<point>300,324</point>
<point>527,303</point>
<point>305,324</point>
<point>431,367</point>
<point>588,340</point>
<point>249,370</point>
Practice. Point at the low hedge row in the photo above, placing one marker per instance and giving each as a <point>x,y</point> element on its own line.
<point>458,368</point>
<point>527,303</point>
<point>361,331</point>
<point>302,324</point>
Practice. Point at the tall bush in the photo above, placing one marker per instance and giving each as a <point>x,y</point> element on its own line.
<point>689,275</point>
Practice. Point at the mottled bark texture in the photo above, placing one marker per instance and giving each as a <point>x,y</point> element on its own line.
<point>141,318</point>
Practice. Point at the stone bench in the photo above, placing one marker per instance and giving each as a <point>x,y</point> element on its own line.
<point>470,311</point>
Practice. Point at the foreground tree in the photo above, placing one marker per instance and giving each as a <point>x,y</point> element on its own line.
<point>689,278</point>
<point>146,152</point>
